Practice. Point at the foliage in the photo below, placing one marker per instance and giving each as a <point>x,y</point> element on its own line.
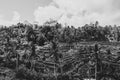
<point>45,52</point>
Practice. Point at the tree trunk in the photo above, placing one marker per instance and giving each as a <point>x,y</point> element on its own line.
<point>32,56</point>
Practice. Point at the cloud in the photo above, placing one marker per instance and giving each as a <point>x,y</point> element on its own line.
<point>42,14</point>
<point>16,16</point>
<point>15,19</point>
<point>80,12</point>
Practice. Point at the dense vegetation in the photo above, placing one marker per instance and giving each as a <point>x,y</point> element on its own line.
<point>53,52</point>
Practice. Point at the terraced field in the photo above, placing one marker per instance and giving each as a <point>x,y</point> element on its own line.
<point>83,60</point>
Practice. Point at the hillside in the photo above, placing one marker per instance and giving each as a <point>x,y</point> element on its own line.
<point>32,52</point>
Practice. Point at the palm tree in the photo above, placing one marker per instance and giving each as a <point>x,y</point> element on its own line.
<point>57,57</point>
<point>31,37</point>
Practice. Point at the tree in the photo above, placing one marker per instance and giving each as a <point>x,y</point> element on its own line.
<point>41,39</point>
<point>31,37</point>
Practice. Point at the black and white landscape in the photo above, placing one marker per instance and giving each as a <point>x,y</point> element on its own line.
<point>59,40</point>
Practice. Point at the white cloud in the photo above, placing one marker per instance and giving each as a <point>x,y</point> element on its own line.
<point>16,16</point>
<point>42,14</point>
<point>15,19</point>
<point>80,12</point>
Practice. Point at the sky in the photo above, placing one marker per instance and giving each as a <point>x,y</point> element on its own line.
<point>70,12</point>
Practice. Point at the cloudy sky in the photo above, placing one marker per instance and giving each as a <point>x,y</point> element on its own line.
<point>71,12</point>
